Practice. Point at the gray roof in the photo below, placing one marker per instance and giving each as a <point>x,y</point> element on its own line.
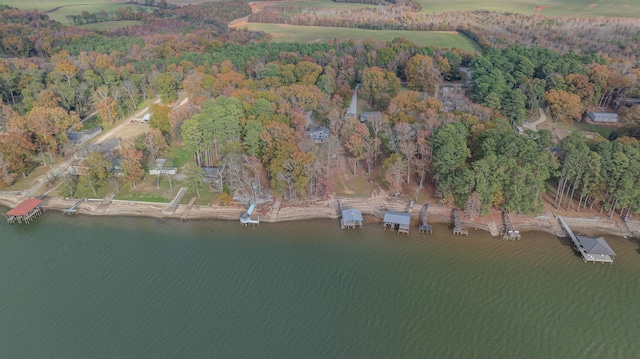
<point>351,215</point>
<point>211,171</point>
<point>593,245</point>
<point>397,217</point>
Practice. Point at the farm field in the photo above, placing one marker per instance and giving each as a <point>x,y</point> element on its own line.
<point>573,8</point>
<point>311,34</point>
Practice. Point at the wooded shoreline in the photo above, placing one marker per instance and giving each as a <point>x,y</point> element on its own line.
<point>373,207</point>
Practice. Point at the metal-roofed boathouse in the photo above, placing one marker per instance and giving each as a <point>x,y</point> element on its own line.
<point>592,249</point>
<point>349,217</point>
<point>26,211</point>
<point>397,221</point>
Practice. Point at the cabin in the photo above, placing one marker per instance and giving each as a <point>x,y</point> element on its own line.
<point>318,134</point>
<point>26,211</point>
<point>397,221</point>
<point>351,218</point>
<point>602,116</point>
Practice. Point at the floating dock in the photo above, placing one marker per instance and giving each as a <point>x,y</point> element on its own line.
<point>245,218</point>
<point>591,249</point>
<point>25,212</point>
<point>425,227</point>
<point>457,225</point>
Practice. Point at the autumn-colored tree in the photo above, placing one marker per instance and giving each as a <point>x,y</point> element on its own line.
<point>423,74</point>
<point>564,106</point>
<point>132,165</point>
<point>97,171</point>
<point>17,152</point>
<point>50,122</point>
<point>394,172</point>
<point>378,84</point>
<point>107,109</point>
<point>580,85</point>
<point>357,143</point>
<point>167,86</point>
<point>160,117</point>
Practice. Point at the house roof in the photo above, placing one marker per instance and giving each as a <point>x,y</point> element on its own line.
<point>593,245</point>
<point>397,217</point>
<point>351,215</point>
<point>25,207</point>
<point>211,171</point>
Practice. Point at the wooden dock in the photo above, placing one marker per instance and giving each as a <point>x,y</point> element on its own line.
<point>457,224</point>
<point>73,210</point>
<point>185,214</point>
<point>425,227</point>
<point>508,232</point>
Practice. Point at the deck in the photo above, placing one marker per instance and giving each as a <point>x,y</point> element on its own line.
<point>425,227</point>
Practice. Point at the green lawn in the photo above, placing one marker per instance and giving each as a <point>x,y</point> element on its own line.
<point>311,34</point>
<point>603,131</point>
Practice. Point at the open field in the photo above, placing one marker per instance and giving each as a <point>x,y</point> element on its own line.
<point>311,34</point>
<point>573,8</point>
<point>59,9</point>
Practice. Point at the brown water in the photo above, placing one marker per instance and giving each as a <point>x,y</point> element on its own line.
<point>100,287</point>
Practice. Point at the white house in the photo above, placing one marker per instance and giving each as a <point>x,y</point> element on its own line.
<point>318,134</point>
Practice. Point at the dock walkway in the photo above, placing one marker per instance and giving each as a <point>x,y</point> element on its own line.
<point>73,210</point>
<point>425,227</point>
<point>457,224</point>
<point>173,205</point>
<point>185,214</point>
<point>578,245</point>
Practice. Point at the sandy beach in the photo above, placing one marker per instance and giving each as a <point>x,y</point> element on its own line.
<point>373,208</point>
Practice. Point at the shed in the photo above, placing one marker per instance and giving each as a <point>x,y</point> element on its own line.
<point>602,116</point>
<point>351,218</point>
<point>399,221</point>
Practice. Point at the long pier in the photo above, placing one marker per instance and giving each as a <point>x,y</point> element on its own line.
<point>73,210</point>
<point>425,227</point>
<point>457,224</point>
<point>508,232</point>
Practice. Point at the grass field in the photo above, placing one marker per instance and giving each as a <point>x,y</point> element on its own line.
<point>311,34</point>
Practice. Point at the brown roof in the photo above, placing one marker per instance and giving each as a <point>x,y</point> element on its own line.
<point>25,207</point>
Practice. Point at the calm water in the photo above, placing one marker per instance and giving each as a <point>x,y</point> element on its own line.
<point>86,287</point>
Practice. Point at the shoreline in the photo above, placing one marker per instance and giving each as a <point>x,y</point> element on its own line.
<point>374,206</point>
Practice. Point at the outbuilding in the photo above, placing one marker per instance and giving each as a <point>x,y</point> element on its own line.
<point>399,221</point>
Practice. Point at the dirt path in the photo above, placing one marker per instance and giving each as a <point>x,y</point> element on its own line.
<point>533,126</point>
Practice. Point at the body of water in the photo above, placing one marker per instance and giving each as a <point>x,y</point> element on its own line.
<point>112,287</point>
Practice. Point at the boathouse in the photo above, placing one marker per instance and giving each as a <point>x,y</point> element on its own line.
<point>591,249</point>
<point>397,221</point>
<point>351,218</point>
<point>25,212</point>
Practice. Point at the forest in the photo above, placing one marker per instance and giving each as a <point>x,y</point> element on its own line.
<point>251,102</point>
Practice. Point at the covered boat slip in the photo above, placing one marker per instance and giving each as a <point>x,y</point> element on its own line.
<point>25,212</point>
<point>351,218</point>
<point>592,249</point>
<point>399,221</point>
